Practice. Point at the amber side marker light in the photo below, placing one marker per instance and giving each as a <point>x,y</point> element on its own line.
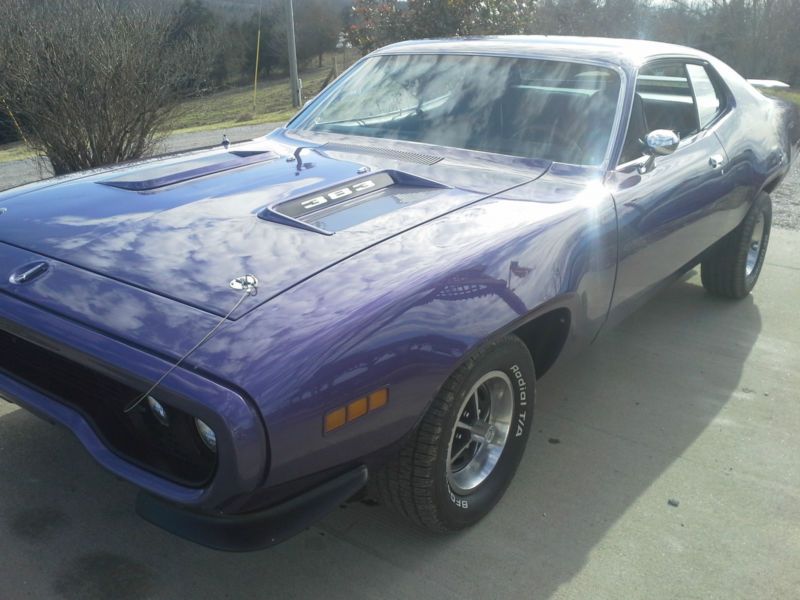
<point>357,408</point>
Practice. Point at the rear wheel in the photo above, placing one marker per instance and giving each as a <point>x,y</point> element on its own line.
<point>733,266</point>
<point>459,460</point>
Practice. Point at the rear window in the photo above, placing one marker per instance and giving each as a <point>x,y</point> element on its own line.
<point>709,103</point>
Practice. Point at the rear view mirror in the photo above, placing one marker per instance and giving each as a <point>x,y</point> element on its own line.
<point>659,142</point>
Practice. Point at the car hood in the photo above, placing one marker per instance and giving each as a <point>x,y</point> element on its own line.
<point>277,208</point>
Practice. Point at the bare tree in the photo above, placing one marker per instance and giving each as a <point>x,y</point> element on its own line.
<point>93,81</point>
<point>318,27</point>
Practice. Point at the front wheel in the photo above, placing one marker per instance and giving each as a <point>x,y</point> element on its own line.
<point>733,266</point>
<point>460,459</point>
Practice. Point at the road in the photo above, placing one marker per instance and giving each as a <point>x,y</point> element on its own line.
<point>17,172</point>
<point>692,400</point>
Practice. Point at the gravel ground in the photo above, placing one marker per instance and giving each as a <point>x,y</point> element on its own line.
<point>786,199</point>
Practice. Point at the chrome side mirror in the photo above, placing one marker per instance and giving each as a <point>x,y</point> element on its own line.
<point>662,142</point>
<point>659,142</point>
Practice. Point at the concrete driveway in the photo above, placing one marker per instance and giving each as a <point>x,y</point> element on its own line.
<point>693,399</point>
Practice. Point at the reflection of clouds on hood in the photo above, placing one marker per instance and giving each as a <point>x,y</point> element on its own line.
<point>126,312</point>
<point>192,251</point>
<point>112,221</point>
<point>188,241</point>
<point>196,238</point>
<point>347,300</point>
<point>393,291</point>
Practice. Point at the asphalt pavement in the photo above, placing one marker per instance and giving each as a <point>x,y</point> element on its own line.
<point>665,463</point>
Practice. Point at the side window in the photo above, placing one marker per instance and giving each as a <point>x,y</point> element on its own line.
<point>663,100</point>
<point>670,95</point>
<point>708,100</point>
<point>667,98</point>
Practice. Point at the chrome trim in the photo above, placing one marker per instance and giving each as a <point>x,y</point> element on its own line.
<point>662,142</point>
<point>481,432</point>
<point>754,249</point>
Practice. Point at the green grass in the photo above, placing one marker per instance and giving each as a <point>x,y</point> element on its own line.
<point>15,151</point>
<point>222,110</point>
<point>791,95</point>
<point>235,107</point>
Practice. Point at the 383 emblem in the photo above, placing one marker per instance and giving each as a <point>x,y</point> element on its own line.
<point>361,186</point>
<point>297,208</point>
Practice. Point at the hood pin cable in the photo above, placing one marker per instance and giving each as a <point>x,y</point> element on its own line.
<point>248,284</point>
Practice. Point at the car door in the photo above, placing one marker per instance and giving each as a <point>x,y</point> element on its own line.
<point>672,208</point>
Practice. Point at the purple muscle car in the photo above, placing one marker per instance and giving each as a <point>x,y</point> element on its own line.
<point>365,298</point>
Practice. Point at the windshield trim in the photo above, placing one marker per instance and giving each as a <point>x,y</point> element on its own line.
<point>482,158</point>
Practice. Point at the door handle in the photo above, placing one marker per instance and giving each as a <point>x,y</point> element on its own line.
<point>716,160</point>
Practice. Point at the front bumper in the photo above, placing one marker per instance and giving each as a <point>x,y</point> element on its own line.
<point>257,530</point>
<point>242,444</point>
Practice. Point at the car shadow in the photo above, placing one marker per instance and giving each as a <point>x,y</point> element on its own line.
<point>609,423</point>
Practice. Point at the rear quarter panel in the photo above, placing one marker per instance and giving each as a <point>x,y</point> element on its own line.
<point>756,136</point>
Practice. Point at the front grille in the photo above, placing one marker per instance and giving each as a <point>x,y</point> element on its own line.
<point>174,452</point>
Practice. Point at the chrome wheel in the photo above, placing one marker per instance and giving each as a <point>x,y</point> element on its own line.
<point>461,457</point>
<point>481,432</point>
<point>754,249</point>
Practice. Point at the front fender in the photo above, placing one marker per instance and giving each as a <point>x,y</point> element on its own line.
<point>404,313</point>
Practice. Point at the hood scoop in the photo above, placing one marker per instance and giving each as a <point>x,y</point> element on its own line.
<point>349,203</point>
<point>148,179</point>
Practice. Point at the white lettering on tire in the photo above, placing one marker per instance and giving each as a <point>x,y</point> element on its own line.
<point>523,399</point>
<point>459,501</point>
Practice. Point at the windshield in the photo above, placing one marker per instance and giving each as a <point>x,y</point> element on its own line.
<point>531,108</point>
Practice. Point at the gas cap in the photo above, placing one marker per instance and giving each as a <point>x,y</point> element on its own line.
<point>29,272</point>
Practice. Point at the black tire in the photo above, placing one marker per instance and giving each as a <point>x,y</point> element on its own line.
<point>726,271</point>
<point>417,482</point>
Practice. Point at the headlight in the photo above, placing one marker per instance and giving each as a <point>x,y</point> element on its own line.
<point>206,434</point>
<point>158,410</point>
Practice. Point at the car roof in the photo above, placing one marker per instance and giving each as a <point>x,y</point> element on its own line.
<point>622,52</point>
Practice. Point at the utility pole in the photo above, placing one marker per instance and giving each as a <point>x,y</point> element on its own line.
<point>294,82</point>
